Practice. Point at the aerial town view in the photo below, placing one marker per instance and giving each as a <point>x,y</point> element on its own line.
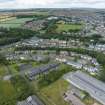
<point>52,52</point>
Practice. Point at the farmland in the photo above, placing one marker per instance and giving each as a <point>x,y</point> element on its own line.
<point>14,23</point>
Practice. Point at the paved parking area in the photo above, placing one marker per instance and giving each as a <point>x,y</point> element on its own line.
<point>73,99</point>
<point>87,83</point>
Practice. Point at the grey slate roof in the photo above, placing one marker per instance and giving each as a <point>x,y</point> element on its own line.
<point>31,100</point>
<point>25,67</point>
<point>89,84</point>
<point>35,71</point>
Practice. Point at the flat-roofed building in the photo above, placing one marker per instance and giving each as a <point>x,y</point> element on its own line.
<point>87,83</point>
<point>74,64</point>
<point>73,99</point>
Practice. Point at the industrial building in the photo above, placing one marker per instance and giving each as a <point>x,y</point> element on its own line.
<point>42,69</point>
<point>87,83</point>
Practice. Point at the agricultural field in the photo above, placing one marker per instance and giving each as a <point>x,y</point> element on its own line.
<point>68,27</point>
<point>14,23</point>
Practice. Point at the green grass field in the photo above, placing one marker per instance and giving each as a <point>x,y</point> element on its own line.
<point>3,70</point>
<point>67,27</point>
<point>53,94</point>
<point>14,23</point>
<point>7,93</point>
<point>40,13</point>
<point>13,68</point>
<point>6,89</point>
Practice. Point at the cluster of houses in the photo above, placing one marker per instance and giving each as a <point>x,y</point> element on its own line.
<point>101,29</point>
<point>97,47</point>
<point>91,23</point>
<point>35,25</point>
<point>26,55</point>
<point>52,43</point>
<point>67,20</point>
<point>84,62</point>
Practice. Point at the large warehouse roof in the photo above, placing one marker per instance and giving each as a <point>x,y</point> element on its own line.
<point>89,84</point>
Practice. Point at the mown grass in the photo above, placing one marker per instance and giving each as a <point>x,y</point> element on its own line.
<point>53,94</point>
<point>14,23</point>
<point>7,93</point>
<point>67,27</point>
<point>3,70</point>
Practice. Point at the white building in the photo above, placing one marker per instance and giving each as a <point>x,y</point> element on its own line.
<point>74,64</point>
<point>90,69</point>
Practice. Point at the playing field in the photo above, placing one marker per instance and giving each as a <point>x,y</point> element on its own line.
<point>67,27</point>
<point>14,23</point>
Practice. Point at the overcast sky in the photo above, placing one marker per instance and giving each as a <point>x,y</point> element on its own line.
<point>9,4</point>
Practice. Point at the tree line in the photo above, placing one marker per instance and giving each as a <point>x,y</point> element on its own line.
<point>12,35</point>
